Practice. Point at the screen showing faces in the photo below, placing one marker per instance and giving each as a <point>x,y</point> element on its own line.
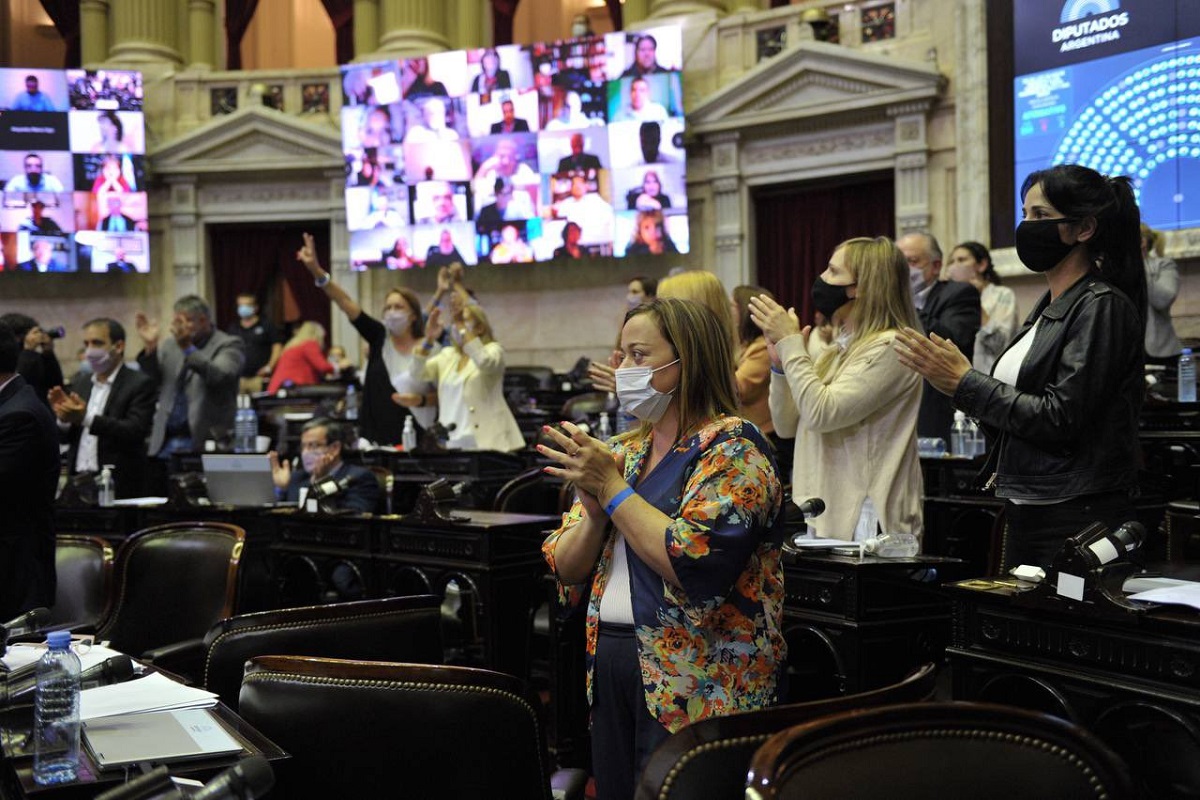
<point>564,150</point>
<point>72,165</point>
<point>1115,86</point>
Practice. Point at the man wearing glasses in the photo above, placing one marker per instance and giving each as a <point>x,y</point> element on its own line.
<point>323,475</point>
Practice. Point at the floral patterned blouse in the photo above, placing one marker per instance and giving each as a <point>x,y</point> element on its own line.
<point>714,646</point>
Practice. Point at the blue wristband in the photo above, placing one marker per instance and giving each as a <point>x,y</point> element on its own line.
<point>619,498</point>
<point>777,371</point>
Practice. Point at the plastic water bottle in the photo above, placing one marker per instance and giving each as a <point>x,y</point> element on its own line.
<point>892,545</point>
<point>408,436</point>
<point>351,402</point>
<point>56,712</point>
<point>980,444</point>
<point>245,426</point>
<point>106,490</point>
<point>960,442</point>
<point>604,432</point>
<point>1187,377</point>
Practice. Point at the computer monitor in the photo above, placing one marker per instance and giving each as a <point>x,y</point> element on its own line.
<point>239,480</point>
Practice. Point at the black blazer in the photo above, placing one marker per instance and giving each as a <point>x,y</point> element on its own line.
<point>581,163</point>
<point>952,311</point>
<point>361,493</point>
<point>122,428</point>
<point>519,126</point>
<point>29,468</point>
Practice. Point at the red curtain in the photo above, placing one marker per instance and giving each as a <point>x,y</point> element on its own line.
<point>341,14</point>
<point>503,12</point>
<point>798,226</point>
<point>65,16</point>
<point>261,259</point>
<point>238,14</point>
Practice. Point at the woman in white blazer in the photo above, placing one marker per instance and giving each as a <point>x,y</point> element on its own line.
<point>470,380</point>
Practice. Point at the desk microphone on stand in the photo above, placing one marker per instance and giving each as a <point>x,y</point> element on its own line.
<point>812,507</point>
<point>249,779</point>
<point>20,687</point>
<point>30,622</point>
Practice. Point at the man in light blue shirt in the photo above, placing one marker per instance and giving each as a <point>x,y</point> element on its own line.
<point>32,99</point>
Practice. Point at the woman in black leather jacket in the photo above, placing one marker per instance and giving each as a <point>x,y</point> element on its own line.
<point>1062,401</point>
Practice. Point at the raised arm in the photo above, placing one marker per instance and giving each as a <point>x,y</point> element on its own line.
<point>307,255</point>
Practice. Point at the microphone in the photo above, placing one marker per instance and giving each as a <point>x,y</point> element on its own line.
<point>154,785</point>
<point>1105,546</point>
<point>812,507</point>
<point>30,622</point>
<point>116,669</point>
<point>250,778</point>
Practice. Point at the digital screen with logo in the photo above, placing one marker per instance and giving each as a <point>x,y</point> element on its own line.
<point>1113,85</point>
<point>72,166</point>
<point>556,151</point>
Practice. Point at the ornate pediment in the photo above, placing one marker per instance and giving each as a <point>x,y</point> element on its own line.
<point>814,82</point>
<point>251,140</point>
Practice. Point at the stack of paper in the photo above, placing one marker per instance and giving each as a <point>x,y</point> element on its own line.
<point>18,655</point>
<point>155,692</point>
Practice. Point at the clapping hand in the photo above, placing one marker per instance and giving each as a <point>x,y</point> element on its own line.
<point>147,330</point>
<point>434,327</point>
<point>281,470</point>
<point>775,321</point>
<point>936,359</point>
<point>68,406</point>
<point>585,461</point>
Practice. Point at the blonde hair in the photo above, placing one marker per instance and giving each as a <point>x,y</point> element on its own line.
<point>1154,242</point>
<point>884,299</point>
<point>307,332</point>
<point>707,386</point>
<point>701,287</point>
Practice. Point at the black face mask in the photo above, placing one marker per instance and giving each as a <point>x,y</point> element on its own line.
<point>828,298</point>
<point>1038,244</point>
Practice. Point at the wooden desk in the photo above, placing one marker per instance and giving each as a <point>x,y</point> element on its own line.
<point>854,625</point>
<point>1133,680</point>
<point>17,782</point>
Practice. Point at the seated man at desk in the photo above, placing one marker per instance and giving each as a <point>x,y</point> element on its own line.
<point>340,485</point>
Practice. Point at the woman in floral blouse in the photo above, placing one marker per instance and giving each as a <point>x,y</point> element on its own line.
<point>674,536</point>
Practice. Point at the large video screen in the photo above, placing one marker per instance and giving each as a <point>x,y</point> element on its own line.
<point>1113,85</point>
<point>565,150</point>
<point>72,165</point>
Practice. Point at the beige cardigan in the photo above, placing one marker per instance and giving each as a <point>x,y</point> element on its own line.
<point>856,435</point>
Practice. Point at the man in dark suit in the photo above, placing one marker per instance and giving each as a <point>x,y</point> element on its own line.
<point>116,222</point>
<point>578,161</point>
<point>107,414</point>
<point>948,308</point>
<point>121,264</point>
<point>342,486</point>
<point>197,370</point>
<point>28,481</point>
<point>509,122</point>
<point>43,259</point>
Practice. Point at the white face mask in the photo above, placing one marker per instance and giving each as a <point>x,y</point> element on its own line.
<point>916,279</point>
<point>638,397</point>
<point>634,300</point>
<point>395,321</point>
<point>100,359</point>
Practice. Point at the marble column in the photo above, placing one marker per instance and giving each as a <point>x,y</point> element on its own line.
<point>186,235</point>
<point>412,27</point>
<point>674,8</point>
<point>471,24</point>
<point>93,31</point>
<point>912,166</point>
<point>366,29</point>
<point>144,32</point>
<point>731,264</point>
<point>971,123</point>
<point>201,16</point>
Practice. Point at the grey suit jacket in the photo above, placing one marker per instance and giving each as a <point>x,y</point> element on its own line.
<point>211,385</point>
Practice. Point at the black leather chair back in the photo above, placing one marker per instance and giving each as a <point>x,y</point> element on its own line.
<point>374,729</point>
<point>710,758</point>
<point>172,583</point>
<point>84,565</point>
<point>970,750</point>
<point>393,629</point>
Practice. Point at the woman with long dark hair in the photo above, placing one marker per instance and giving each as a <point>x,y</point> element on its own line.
<point>1062,401</point>
<point>970,262</point>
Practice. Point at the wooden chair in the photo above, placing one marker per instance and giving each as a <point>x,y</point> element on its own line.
<point>172,583</point>
<point>396,730</point>
<point>392,629</point>
<point>84,565</point>
<point>972,750</point>
<point>710,758</point>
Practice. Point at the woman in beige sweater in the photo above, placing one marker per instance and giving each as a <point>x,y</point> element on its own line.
<point>852,409</point>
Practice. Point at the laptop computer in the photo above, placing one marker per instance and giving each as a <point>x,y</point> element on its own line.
<point>239,480</point>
